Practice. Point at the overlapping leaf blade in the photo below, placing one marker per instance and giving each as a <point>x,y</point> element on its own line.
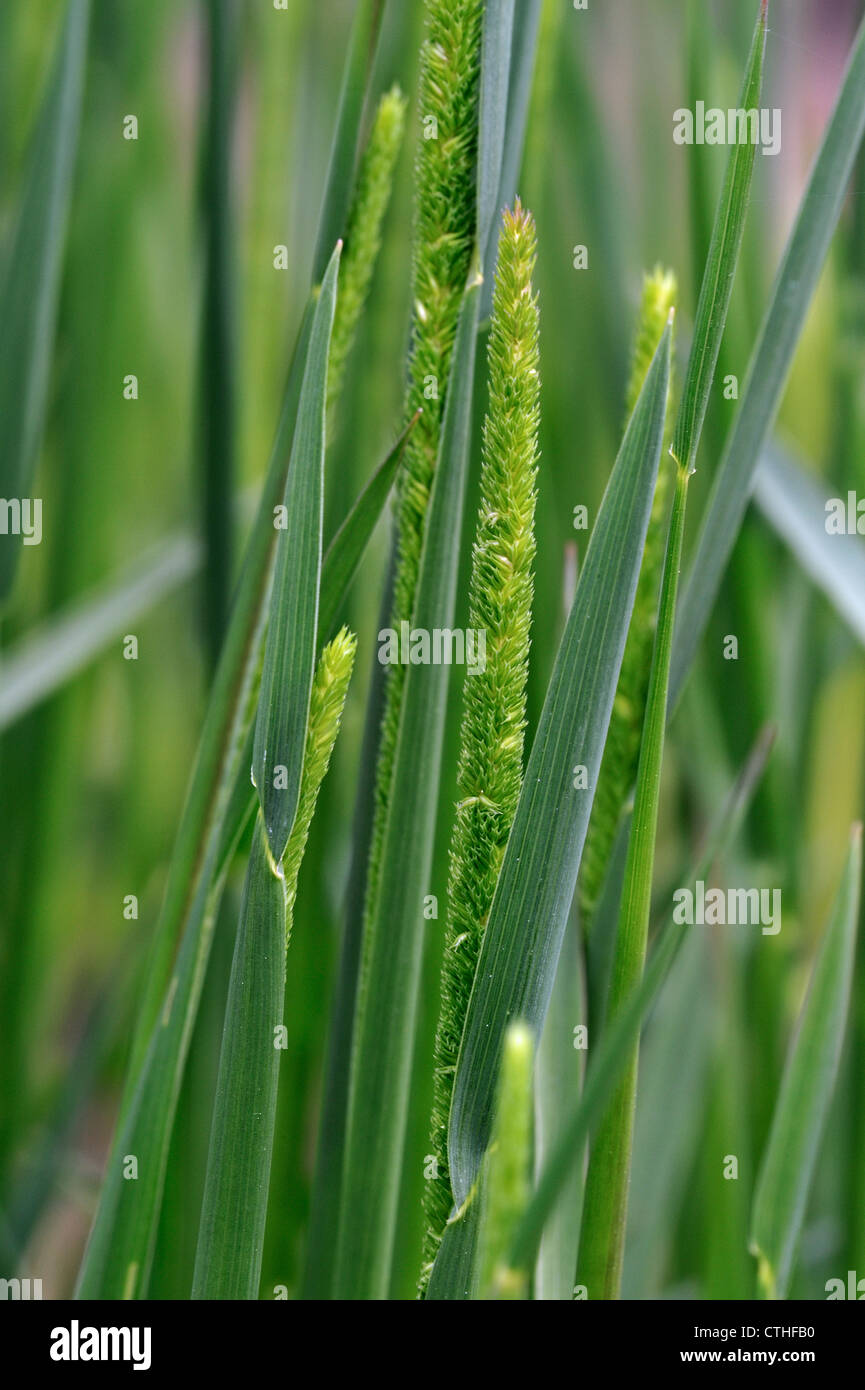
<point>383,1047</point>
<point>806,1091</point>
<point>618,1038</point>
<point>771,360</point>
<point>120,1250</point>
<point>289,653</point>
<point>523,937</point>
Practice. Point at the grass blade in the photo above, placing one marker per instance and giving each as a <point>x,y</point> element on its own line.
<point>771,361</point>
<point>346,550</point>
<point>327,1186</point>
<point>558,1079</point>
<point>496,42</point>
<point>241,1140</point>
<point>602,1237</point>
<point>120,1248</point>
<point>717,283</point>
<point>617,1040</point>
<point>806,1091</point>
<point>382,1055</point>
<point>217,391</point>
<point>507,1167</point>
<point>622,747</point>
<point>234,1209</point>
<point>796,507</point>
<point>66,643</point>
<point>31,280</point>
<point>527,920</point>
<point>289,653</point>
<point>363,41</point>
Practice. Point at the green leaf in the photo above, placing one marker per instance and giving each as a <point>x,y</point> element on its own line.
<point>523,47</point>
<point>234,1208</point>
<point>67,642</point>
<point>229,716</point>
<point>344,152</point>
<point>718,274</point>
<point>668,1119</point>
<point>231,1237</point>
<point>31,279</point>
<point>387,1004</point>
<point>498,25</point>
<point>217,412</point>
<point>770,362</point>
<point>120,1248</point>
<point>454,1275</point>
<point>289,653</point>
<point>558,1079</point>
<point>507,1168</point>
<point>796,507</point>
<point>119,1253</point>
<point>346,550</point>
<point>602,1236</point>
<point>616,1043</point>
<point>806,1091</point>
<point>523,938</point>
<point>327,1186</point>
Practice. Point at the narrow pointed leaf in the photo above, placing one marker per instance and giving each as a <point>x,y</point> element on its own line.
<point>363,42</point>
<point>521,944</point>
<point>606,1065</point>
<point>384,1036</point>
<point>507,1168</point>
<point>31,276</point>
<point>346,550</point>
<point>234,1208</point>
<point>289,653</point>
<point>806,1091</point>
<point>237,1172</point>
<point>67,642</point>
<point>558,1080</point>
<point>120,1248</point>
<point>771,360</point>
<point>717,282</point>
<point>602,1234</point>
<point>796,507</point>
<point>495,75</point>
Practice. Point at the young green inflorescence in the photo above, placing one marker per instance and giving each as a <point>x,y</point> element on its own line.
<point>444,241</point>
<point>329,689</point>
<point>619,764</point>
<point>500,600</point>
<point>363,238</point>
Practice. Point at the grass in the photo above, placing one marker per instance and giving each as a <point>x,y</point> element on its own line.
<point>496,1061</point>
